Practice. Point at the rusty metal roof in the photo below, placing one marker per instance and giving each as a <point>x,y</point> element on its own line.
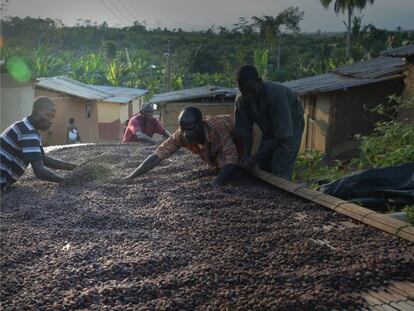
<point>402,51</point>
<point>363,73</point>
<point>373,69</point>
<point>193,93</point>
<point>87,91</point>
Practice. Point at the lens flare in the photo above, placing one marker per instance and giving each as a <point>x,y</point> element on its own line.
<point>18,69</point>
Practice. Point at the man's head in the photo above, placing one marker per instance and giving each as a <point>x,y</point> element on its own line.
<point>147,110</point>
<point>249,82</point>
<point>71,120</point>
<point>191,125</point>
<point>43,112</point>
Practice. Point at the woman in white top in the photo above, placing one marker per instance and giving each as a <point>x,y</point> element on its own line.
<point>72,135</point>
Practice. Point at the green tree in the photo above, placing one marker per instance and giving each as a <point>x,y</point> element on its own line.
<point>109,49</point>
<point>270,27</point>
<point>349,6</point>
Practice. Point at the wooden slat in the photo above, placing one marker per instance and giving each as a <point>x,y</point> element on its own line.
<point>306,193</point>
<point>386,297</point>
<point>372,300</point>
<point>406,233</point>
<point>328,198</point>
<point>402,306</point>
<point>354,211</point>
<point>405,288</point>
<point>382,308</point>
<point>384,222</point>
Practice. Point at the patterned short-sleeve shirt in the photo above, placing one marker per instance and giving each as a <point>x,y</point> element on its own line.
<point>221,147</point>
<point>20,144</point>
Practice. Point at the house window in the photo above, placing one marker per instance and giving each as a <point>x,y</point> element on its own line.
<point>88,110</point>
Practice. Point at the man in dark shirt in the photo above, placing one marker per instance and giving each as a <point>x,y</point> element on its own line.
<point>279,115</point>
<point>143,126</point>
<point>20,144</point>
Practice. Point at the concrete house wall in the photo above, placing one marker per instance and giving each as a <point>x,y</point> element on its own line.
<point>16,100</point>
<point>84,111</point>
<point>111,116</point>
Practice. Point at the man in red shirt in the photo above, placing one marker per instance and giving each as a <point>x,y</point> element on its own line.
<point>143,126</point>
<point>213,139</point>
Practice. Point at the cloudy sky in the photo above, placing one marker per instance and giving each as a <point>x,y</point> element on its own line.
<point>201,14</point>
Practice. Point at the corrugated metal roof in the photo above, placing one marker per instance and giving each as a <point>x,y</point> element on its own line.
<point>121,94</point>
<point>198,92</point>
<point>402,51</point>
<point>363,73</point>
<point>87,91</point>
<point>72,87</point>
<point>373,69</point>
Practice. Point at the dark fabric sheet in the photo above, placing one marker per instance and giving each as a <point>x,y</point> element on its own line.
<point>376,187</point>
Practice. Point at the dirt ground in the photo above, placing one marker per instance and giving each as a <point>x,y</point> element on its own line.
<point>168,241</point>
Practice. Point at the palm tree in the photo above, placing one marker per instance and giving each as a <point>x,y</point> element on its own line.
<point>340,6</point>
<point>270,27</point>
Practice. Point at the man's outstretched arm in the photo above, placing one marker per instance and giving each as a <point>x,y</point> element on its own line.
<point>44,173</point>
<point>146,138</point>
<point>166,134</point>
<point>148,164</point>
<point>57,164</point>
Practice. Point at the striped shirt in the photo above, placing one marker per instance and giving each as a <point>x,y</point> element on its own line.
<point>221,146</point>
<point>20,145</point>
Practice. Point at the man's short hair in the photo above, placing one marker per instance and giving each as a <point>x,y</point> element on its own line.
<point>71,120</point>
<point>42,103</point>
<point>147,107</point>
<point>193,112</point>
<point>247,74</point>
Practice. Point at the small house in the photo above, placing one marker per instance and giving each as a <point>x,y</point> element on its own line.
<point>337,104</point>
<point>211,100</point>
<point>99,111</point>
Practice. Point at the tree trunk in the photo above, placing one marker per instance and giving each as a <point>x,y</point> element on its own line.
<point>348,34</point>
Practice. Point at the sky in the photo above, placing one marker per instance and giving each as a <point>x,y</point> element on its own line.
<point>202,14</point>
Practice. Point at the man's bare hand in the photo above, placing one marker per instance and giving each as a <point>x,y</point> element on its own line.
<point>71,166</point>
<point>215,184</point>
<point>250,163</point>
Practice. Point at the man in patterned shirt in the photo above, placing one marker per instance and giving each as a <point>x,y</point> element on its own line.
<point>213,139</point>
<point>20,145</point>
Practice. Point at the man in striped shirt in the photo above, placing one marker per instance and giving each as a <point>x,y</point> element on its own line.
<point>213,139</point>
<point>20,144</point>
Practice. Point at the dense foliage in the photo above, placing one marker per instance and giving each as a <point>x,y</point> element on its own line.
<point>162,59</point>
<point>392,141</point>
